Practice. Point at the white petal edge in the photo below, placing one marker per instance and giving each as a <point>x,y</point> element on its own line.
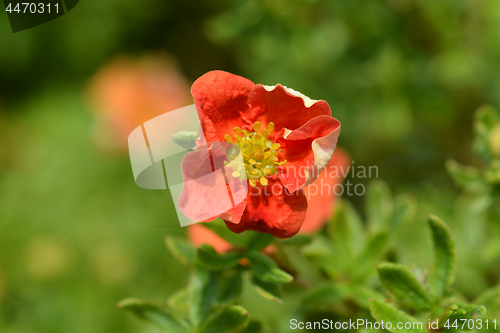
<point>323,149</point>
<point>308,102</point>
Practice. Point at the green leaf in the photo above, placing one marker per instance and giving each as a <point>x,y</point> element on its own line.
<point>267,290</point>
<point>181,249</point>
<point>401,283</point>
<point>361,295</point>
<point>253,327</point>
<point>383,311</point>
<point>444,254</point>
<point>345,230</point>
<point>219,227</point>
<point>468,178</point>
<point>379,205</point>
<point>185,139</point>
<point>375,245</point>
<point>230,288</point>
<point>267,270</point>
<point>485,119</point>
<point>259,241</point>
<point>323,295</point>
<point>320,247</point>
<point>404,211</point>
<point>298,240</point>
<point>180,300</point>
<point>492,173</point>
<point>494,141</point>
<point>204,283</point>
<point>321,254</point>
<point>154,314</point>
<point>228,319</point>
<point>490,298</point>
<point>460,311</point>
<point>209,258</point>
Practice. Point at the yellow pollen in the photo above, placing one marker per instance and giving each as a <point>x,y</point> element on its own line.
<point>260,154</point>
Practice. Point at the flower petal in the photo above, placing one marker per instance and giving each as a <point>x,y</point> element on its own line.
<point>307,151</point>
<point>272,209</point>
<point>206,194</point>
<point>321,193</point>
<point>283,106</point>
<point>198,235</point>
<point>221,100</point>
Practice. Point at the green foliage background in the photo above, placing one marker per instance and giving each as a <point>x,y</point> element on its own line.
<point>403,77</point>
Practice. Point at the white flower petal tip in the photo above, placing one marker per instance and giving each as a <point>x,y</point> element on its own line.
<point>308,102</point>
<point>323,149</point>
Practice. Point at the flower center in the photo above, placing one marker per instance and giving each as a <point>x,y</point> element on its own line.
<point>260,154</point>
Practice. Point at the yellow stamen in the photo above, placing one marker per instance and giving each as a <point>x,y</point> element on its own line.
<point>260,154</point>
<point>256,126</point>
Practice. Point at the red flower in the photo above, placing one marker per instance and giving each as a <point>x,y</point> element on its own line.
<point>286,139</point>
<point>320,204</point>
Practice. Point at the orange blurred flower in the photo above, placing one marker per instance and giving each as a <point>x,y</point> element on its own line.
<point>320,203</point>
<point>321,193</point>
<point>126,92</point>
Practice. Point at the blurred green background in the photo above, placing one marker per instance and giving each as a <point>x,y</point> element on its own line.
<point>77,235</point>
